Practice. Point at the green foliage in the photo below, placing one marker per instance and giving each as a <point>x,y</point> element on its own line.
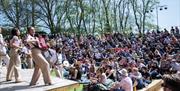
<point>78,16</point>
<point>6,32</point>
<point>150,26</point>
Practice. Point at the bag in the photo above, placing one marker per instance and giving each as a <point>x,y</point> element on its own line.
<point>41,44</point>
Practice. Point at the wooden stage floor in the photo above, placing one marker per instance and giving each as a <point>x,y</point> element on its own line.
<point>58,83</point>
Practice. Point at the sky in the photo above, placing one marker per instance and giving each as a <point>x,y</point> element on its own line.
<point>171,16</point>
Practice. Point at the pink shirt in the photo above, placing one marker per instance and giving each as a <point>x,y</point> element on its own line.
<point>125,84</point>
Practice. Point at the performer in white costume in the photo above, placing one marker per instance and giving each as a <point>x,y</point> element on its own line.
<point>3,54</point>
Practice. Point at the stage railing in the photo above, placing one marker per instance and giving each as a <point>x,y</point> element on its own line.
<point>154,86</point>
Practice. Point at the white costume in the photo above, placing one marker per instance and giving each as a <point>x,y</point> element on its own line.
<point>54,59</point>
<point>4,56</point>
<point>52,56</point>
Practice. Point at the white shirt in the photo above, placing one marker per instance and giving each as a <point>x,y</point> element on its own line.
<point>141,65</point>
<point>59,55</point>
<point>52,54</point>
<point>16,40</point>
<point>1,40</point>
<point>175,66</point>
<point>98,55</point>
<point>26,50</point>
<point>2,43</point>
<point>167,40</point>
<point>29,40</point>
<point>136,75</point>
<point>126,84</point>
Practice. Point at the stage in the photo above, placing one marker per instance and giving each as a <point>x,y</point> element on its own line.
<point>58,84</point>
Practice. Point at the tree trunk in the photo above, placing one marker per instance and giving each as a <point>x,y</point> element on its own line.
<point>115,15</point>
<point>33,13</point>
<point>17,14</point>
<point>107,24</point>
<point>94,17</point>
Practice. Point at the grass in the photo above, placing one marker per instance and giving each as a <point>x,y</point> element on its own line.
<point>79,88</point>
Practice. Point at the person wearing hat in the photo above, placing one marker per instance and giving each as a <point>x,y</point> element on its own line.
<point>125,84</point>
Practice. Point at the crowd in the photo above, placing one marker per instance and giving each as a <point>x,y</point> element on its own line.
<point>111,61</point>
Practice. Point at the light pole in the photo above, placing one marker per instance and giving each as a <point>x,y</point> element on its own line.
<point>157,17</point>
<point>157,13</point>
<point>158,7</point>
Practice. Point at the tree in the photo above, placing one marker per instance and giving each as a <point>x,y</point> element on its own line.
<point>78,16</point>
<point>124,11</point>
<point>47,12</point>
<point>140,8</point>
<point>106,4</point>
<point>13,11</point>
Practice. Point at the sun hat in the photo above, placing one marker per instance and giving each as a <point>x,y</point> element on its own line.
<point>66,63</point>
<point>123,72</point>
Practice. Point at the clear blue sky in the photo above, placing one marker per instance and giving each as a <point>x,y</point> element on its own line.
<point>171,16</point>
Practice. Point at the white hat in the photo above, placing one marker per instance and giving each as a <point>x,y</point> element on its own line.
<point>123,72</point>
<point>173,60</point>
<point>66,63</point>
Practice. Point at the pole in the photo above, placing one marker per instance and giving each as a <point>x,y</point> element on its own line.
<point>157,16</point>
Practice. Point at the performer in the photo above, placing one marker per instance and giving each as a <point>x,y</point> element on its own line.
<point>15,61</point>
<point>40,61</point>
<point>55,62</point>
<point>3,55</point>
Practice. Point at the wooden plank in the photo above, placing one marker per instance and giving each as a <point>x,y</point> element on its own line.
<point>154,86</point>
